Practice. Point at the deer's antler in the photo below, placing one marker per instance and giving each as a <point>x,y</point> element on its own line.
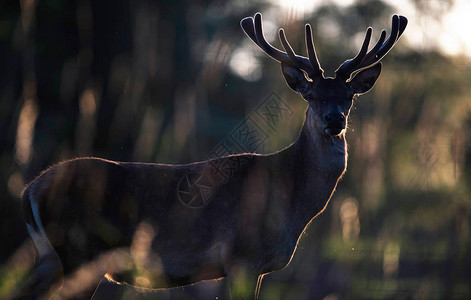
<point>253,28</point>
<point>366,59</point>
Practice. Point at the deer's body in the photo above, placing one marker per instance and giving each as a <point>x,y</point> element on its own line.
<point>242,222</point>
<point>251,220</point>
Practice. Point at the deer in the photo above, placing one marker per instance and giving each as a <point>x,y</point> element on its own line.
<point>251,221</point>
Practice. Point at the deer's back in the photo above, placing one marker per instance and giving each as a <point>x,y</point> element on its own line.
<point>93,205</point>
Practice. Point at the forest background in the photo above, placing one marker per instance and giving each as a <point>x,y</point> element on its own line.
<point>172,81</point>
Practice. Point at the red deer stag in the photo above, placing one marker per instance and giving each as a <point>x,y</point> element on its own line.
<point>251,221</point>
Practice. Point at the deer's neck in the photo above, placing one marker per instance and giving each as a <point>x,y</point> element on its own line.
<point>328,154</point>
<point>320,162</point>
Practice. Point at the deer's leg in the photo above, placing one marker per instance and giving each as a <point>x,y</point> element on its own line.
<point>258,286</point>
<point>47,276</point>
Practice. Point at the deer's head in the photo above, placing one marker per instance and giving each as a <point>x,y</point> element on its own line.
<point>330,98</point>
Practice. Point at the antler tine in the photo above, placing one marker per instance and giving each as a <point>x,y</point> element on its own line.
<point>256,35</point>
<point>392,38</point>
<point>371,55</point>
<point>262,43</point>
<point>247,25</point>
<point>402,25</point>
<point>298,61</point>
<point>311,50</point>
<point>286,45</point>
<point>346,69</point>
<point>398,26</point>
<point>253,28</point>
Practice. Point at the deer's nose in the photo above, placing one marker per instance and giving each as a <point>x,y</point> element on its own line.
<point>334,124</point>
<point>335,117</point>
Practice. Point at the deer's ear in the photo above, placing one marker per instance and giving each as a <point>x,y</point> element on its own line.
<point>365,80</point>
<point>294,78</point>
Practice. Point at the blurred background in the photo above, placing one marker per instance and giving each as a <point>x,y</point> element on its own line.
<point>168,81</point>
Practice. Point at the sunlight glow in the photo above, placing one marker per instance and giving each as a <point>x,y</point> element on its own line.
<point>456,39</point>
<point>350,220</point>
<point>25,131</point>
<point>448,31</point>
<point>297,8</point>
<point>242,63</point>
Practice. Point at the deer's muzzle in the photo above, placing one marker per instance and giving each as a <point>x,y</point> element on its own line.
<point>334,124</point>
